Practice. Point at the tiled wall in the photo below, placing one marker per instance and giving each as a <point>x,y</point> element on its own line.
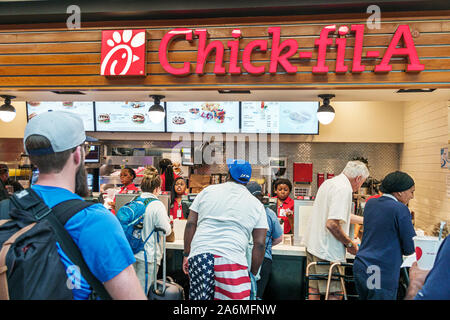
<point>330,158</point>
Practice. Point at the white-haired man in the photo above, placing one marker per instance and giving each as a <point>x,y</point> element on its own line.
<point>327,238</point>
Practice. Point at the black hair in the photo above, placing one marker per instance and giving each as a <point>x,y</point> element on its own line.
<point>167,169</point>
<point>282,181</point>
<point>173,194</point>
<point>131,171</point>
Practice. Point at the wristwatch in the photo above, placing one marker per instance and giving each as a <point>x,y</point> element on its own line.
<point>185,254</point>
<point>349,245</point>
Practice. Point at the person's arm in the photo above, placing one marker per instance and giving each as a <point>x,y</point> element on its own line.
<point>277,240</point>
<point>162,220</point>
<point>406,232</point>
<point>336,230</point>
<point>259,247</point>
<point>277,230</point>
<point>189,231</point>
<point>354,219</point>
<point>417,278</point>
<point>125,286</point>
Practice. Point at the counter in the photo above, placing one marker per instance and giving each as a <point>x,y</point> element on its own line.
<point>287,280</point>
<point>280,249</point>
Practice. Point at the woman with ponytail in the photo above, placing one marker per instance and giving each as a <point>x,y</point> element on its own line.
<point>168,176</point>
<point>155,216</point>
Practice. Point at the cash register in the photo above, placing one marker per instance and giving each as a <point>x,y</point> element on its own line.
<point>186,202</point>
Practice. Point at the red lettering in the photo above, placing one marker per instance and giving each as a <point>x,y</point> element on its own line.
<point>357,51</point>
<point>163,47</point>
<point>322,43</point>
<point>277,48</point>
<point>234,52</point>
<point>246,56</point>
<point>409,50</point>
<point>341,43</point>
<point>204,51</point>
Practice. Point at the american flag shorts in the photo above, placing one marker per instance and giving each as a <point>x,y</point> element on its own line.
<point>215,277</point>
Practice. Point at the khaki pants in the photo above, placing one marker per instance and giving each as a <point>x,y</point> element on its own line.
<point>139,267</point>
<point>321,285</point>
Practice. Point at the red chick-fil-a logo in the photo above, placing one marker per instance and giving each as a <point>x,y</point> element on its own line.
<point>123,53</point>
<point>282,51</point>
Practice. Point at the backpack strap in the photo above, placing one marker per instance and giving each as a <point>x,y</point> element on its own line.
<point>61,214</point>
<point>4,292</point>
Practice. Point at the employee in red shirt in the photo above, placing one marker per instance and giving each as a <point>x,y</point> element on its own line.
<point>167,174</point>
<point>127,176</point>
<point>178,190</point>
<point>285,204</point>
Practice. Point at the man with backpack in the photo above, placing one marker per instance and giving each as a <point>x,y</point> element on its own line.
<point>104,260</point>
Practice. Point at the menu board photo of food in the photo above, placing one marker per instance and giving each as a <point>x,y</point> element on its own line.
<point>125,116</point>
<point>85,109</point>
<point>284,117</point>
<point>195,116</point>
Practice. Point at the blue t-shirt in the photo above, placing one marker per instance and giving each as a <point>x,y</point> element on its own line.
<point>275,231</point>
<point>437,283</point>
<point>98,235</point>
<point>388,233</point>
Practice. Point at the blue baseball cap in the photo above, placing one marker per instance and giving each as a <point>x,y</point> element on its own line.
<point>254,188</point>
<point>240,170</point>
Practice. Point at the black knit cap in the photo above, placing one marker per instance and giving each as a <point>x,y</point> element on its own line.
<point>397,181</point>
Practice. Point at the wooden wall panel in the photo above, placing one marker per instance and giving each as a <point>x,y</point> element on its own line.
<point>49,58</point>
<point>420,158</point>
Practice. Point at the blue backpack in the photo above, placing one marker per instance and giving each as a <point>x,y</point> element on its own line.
<point>131,218</point>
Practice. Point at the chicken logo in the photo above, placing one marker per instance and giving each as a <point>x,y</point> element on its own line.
<point>123,53</point>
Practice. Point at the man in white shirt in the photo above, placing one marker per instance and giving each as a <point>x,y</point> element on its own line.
<point>327,237</point>
<point>221,221</point>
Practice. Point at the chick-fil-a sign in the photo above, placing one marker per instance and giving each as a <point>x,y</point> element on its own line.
<point>282,51</point>
<point>401,45</point>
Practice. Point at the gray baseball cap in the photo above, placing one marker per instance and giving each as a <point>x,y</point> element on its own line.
<point>64,130</point>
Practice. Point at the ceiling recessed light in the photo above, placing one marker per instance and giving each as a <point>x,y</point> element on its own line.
<point>68,92</point>
<point>231,91</point>
<point>415,90</point>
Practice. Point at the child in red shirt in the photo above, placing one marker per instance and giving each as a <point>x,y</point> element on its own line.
<point>285,204</point>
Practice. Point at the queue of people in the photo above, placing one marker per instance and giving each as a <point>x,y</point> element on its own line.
<point>222,221</point>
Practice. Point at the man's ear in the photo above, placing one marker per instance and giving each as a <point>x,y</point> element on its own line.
<point>77,156</point>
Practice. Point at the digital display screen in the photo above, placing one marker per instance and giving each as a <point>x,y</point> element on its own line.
<point>85,109</point>
<point>286,117</point>
<point>93,156</point>
<point>125,116</point>
<point>203,116</point>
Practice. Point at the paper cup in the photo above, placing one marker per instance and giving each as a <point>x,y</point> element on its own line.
<point>426,250</point>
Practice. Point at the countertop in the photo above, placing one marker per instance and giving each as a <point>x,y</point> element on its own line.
<point>280,249</point>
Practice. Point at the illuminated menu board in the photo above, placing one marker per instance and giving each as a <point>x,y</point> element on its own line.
<point>125,116</point>
<point>85,109</point>
<point>196,116</point>
<point>286,117</point>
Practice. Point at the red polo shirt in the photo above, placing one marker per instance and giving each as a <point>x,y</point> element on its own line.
<point>288,203</point>
<point>174,210</point>
<point>163,180</point>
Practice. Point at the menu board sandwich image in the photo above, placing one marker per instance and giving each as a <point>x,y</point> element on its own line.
<point>125,116</point>
<point>196,116</point>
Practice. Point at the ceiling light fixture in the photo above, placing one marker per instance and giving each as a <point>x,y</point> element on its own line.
<point>156,112</point>
<point>325,113</point>
<point>7,111</point>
